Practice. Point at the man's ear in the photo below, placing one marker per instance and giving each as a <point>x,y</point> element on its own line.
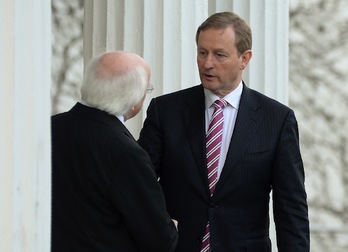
<point>246,56</point>
<point>129,114</point>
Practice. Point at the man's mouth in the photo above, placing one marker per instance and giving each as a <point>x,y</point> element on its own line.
<point>209,76</point>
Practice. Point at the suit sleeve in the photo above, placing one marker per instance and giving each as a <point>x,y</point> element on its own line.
<point>151,136</point>
<point>289,195</point>
<point>139,197</point>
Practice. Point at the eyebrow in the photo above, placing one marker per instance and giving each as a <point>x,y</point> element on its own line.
<point>214,50</point>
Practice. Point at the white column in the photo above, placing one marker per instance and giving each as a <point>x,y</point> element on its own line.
<point>25,166</point>
<point>162,31</point>
<point>269,21</point>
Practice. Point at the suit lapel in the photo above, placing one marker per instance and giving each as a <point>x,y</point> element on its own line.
<point>193,118</point>
<point>247,122</point>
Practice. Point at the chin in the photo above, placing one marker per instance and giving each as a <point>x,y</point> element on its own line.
<point>210,85</point>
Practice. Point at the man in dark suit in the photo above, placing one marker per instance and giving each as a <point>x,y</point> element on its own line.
<point>228,211</point>
<point>106,196</point>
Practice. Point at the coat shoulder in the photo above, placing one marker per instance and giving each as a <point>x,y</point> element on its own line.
<point>181,95</point>
<point>257,99</point>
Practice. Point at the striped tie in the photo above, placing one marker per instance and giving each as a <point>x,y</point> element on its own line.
<point>213,146</point>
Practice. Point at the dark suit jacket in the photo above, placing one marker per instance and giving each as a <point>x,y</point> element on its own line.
<point>106,196</point>
<point>263,156</point>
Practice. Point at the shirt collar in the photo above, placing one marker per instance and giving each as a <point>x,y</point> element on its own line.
<point>232,98</point>
<point>121,118</point>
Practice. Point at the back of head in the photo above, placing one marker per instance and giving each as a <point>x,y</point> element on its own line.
<point>222,20</point>
<point>115,81</point>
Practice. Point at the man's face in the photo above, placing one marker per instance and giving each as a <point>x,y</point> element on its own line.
<point>219,66</point>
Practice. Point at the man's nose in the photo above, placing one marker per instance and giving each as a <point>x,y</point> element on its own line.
<point>208,62</point>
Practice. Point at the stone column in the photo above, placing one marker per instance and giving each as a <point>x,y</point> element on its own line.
<point>25,165</point>
<point>269,21</point>
<point>163,32</point>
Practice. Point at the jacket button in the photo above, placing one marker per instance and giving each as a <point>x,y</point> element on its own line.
<point>212,205</point>
<point>199,240</point>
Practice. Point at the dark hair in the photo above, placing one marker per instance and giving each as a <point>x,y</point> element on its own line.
<point>223,20</point>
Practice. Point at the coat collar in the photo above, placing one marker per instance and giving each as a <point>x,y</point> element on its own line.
<point>95,114</point>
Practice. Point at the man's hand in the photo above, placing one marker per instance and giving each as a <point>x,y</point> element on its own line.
<point>175,223</point>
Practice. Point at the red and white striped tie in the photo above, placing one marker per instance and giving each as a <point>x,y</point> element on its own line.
<point>213,147</point>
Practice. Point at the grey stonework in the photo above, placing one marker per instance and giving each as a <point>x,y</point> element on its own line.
<point>318,92</point>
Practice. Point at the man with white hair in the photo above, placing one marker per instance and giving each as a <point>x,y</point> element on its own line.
<point>105,194</point>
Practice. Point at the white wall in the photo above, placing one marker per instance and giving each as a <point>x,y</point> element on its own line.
<point>25,168</point>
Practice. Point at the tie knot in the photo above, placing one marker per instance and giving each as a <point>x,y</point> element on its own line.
<point>220,104</point>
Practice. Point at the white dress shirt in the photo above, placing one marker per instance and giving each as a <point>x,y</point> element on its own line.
<point>230,115</point>
<point>121,118</point>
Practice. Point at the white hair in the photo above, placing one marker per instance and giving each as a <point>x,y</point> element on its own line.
<point>116,94</point>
